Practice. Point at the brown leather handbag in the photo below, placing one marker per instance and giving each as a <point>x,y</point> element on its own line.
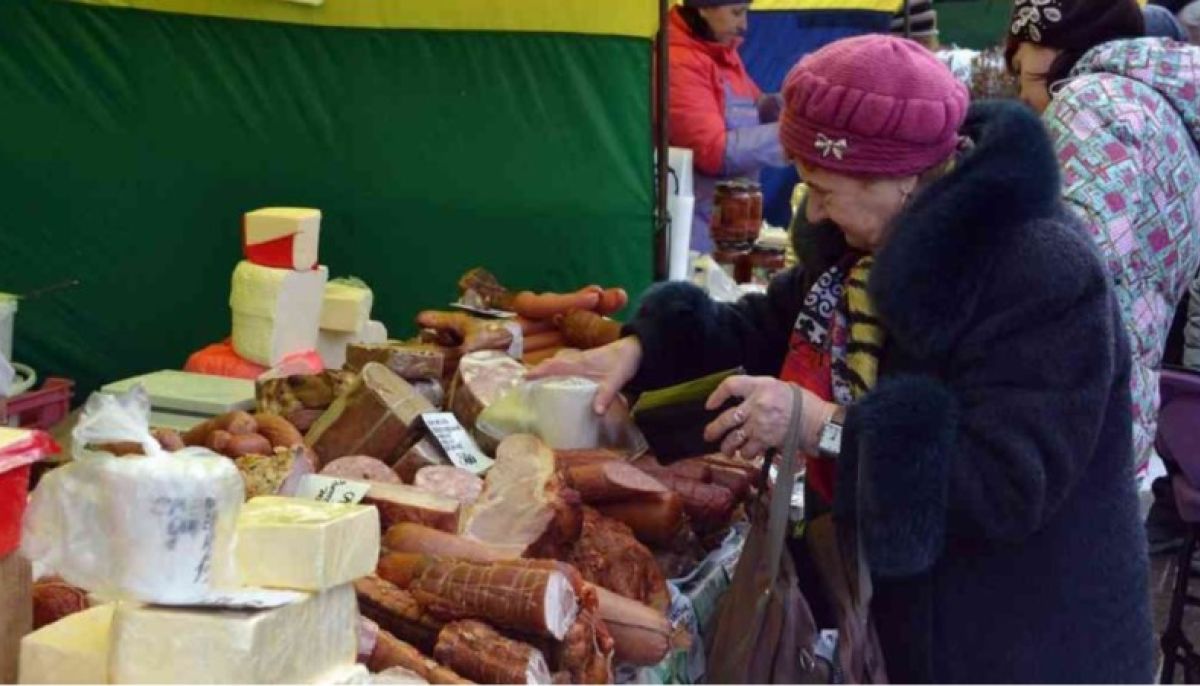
<point>765,631</point>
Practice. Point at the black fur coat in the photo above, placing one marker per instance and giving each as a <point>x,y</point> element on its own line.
<point>991,469</point>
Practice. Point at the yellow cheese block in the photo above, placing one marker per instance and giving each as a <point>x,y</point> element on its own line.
<point>305,545</point>
<point>73,650</point>
<point>296,643</point>
<point>346,307</point>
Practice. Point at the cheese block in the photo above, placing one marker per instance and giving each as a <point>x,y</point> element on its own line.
<point>282,237</point>
<point>276,312</point>
<point>296,643</point>
<point>564,414</point>
<point>410,361</point>
<point>73,650</point>
<point>305,545</point>
<point>377,416</point>
<point>346,307</point>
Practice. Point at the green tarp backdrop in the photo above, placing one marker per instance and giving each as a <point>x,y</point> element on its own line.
<point>131,142</point>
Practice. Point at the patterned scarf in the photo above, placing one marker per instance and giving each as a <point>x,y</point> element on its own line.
<point>834,351</point>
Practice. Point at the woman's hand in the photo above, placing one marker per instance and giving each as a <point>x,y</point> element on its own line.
<point>760,422</point>
<point>612,366</point>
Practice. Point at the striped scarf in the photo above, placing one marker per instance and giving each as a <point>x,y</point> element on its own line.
<point>857,338</point>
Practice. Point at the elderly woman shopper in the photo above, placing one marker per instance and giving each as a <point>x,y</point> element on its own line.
<point>1124,119</point>
<point>715,108</point>
<point>966,338</point>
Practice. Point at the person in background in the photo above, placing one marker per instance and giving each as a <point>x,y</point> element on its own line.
<point>921,24</point>
<point>962,376</point>
<point>714,107</point>
<point>1189,16</point>
<point>1123,114</point>
<point>1161,23</point>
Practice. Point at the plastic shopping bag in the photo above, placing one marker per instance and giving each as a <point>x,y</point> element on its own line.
<point>157,528</point>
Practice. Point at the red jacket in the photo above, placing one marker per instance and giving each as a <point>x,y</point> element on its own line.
<point>700,71</point>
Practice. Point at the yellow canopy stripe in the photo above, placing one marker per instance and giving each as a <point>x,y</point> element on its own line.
<point>889,6</point>
<point>635,18</point>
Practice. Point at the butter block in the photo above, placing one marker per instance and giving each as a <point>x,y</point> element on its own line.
<point>73,650</point>
<point>346,307</point>
<point>276,312</point>
<point>296,643</point>
<point>305,545</point>
<point>282,237</point>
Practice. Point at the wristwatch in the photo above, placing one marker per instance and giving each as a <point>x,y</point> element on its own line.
<point>829,445</point>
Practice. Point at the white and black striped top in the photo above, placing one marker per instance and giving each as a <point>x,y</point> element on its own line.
<point>922,19</point>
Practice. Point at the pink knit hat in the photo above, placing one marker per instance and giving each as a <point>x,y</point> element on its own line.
<point>872,105</point>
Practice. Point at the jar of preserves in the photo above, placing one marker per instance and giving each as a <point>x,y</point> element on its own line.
<point>764,263</point>
<point>733,261</point>
<point>737,213</point>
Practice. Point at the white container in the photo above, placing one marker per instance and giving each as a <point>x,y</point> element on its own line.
<point>681,209</point>
<point>8,312</point>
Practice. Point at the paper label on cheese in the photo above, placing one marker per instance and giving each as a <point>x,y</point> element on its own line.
<point>332,490</point>
<point>456,442</point>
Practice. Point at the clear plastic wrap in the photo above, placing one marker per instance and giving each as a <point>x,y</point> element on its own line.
<point>156,529</point>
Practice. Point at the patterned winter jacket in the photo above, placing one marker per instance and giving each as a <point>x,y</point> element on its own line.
<point>1125,127</point>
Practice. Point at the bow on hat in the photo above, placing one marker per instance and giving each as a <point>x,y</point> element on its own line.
<point>829,146</point>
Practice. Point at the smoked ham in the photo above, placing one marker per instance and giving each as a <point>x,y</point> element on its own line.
<point>655,521</point>
<point>641,635</point>
<point>608,555</point>
<point>390,652</point>
<point>482,378</point>
<point>397,612</point>
<point>535,600</point>
<point>524,504</point>
<point>479,652</point>
<point>378,416</point>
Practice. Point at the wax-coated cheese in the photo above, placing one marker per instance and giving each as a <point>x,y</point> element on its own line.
<point>282,237</point>
<point>296,643</point>
<point>276,312</point>
<point>305,545</point>
<point>73,650</point>
<point>346,307</point>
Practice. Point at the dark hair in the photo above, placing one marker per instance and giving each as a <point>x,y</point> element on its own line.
<point>1085,24</point>
<point>698,25</point>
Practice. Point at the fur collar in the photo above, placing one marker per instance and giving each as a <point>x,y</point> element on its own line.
<point>928,278</point>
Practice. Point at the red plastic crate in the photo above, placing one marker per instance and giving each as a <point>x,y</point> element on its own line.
<point>14,489</point>
<point>40,409</point>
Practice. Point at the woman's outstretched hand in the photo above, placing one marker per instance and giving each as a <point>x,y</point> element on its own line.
<point>611,366</point>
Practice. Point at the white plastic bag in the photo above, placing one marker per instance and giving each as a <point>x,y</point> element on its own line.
<point>156,529</point>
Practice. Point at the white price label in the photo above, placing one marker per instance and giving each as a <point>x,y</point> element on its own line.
<point>456,442</point>
<point>331,490</point>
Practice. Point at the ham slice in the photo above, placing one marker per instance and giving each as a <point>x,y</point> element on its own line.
<point>378,416</point>
<point>361,468</point>
<point>452,482</point>
<point>482,378</point>
<point>524,504</point>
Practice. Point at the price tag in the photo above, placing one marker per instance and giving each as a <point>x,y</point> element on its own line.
<point>456,442</point>
<point>331,490</point>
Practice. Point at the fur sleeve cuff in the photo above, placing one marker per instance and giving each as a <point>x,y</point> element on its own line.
<point>897,479</point>
<point>672,326</point>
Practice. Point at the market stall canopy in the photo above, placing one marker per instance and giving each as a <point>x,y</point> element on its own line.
<point>634,18</point>
<point>136,133</point>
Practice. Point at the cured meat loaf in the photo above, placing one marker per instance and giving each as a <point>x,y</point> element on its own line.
<point>424,453</point>
<point>377,416</point>
<point>535,600</point>
<point>398,503</point>
<point>390,652</point>
<point>612,481</point>
<point>655,521</point>
<point>608,555</point>
<point>478,651</point>
<point>409,361</point>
